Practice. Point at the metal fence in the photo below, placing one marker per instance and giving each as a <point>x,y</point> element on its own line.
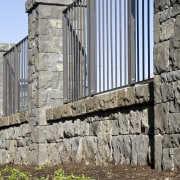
<point>107,44</point>
<point>16,78</point>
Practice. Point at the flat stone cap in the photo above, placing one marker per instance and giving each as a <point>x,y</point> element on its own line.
<point>5,47</point>
<point>31,4</point>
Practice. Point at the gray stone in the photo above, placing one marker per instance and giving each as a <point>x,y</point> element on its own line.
<point>42,154</point>
<point>167,92</point>
<point>168,159</point>
<point>166,14</point>
<point>171,141</point>
<point>135,122</point>
<point>161,118</point>
<point>161,4</point>
<point>123,123</point>
<point>174,123</point>
<point>64,149</point>
<point>158,151</point>
<point>53,155</point>
<point>167,30</point>
<point>161,57</point>
<point>177,158</point>
<point>68,129</point>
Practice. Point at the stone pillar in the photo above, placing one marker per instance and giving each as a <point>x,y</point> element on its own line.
<point>3,48</point>
<point>45,56</point>
<point>167,84</point>
<point>45,41</point>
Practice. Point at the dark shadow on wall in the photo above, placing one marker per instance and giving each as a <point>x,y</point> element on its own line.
<point>151,157</point>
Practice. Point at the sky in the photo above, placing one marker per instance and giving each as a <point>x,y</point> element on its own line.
<point>13,21</point>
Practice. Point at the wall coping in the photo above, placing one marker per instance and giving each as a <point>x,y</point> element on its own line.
<point>129,96</point>
<point>14,119</point>
<point>32,4</point>
<point>4,47</point>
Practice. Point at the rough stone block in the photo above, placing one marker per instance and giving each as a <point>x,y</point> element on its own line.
<point>171,141</point>
<point>135,122</point>
<point>167,159</point>
<point>177,158</point>
<point>161,57</point>
<point>174,123</point>
<point>42,154</point>
<point>167,92</point>
<point>161,118</point>
<point>166,14</point>
<point>158,151</point>
<point>167,30</point>
<point>124,124</point>
<point>126,97</point>
<point>161,4</point>
<point>68,129</point>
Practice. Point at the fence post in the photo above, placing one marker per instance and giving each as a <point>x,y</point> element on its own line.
<point>131,42</point>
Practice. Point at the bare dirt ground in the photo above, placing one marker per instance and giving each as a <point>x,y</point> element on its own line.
<point>110,172</point>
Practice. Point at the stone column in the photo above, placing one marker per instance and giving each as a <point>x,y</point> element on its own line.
<point>45,67</point>
<point>167,84</point>
<point>4,47</point>
<point>45,56</point>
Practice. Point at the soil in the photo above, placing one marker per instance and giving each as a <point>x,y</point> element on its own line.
<point>110,172</point>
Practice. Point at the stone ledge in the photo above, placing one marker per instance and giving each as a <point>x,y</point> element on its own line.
<point>139,94</point>
<point>14,119</point>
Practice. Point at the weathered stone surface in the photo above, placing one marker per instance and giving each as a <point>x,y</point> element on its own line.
<point>177,158</point>
<point>161,57</point>
<point>167,159</point>
<point>158,151</point>
<point>161,121</point>
<point>166,14</point>
<point>171,141</point>
<point>68,129</point>
<point>174,123</point>
<point>167,30</point>
<point>161,4</point>
<point>167,92</point>
<point>175,59</point>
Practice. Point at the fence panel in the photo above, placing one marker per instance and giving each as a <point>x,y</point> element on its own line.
<point>108,44</point>
<point>16,78</point>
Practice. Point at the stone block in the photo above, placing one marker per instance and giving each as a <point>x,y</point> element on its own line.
<point>135,122</point>
<point>176,39</point>
<point>175,59</point>
<point>76,149</point>
<point>161,57</point>
<point>49,114</point>
<point>90,150</point>
<point>42,154</point>
<point>167,30</point>
<point>123,123</point>
<point>68,129</point>
<point>167,159</point>
<point>142,93</point>
<point>171,141</point>
<point>166,14</point>
<point>53,154</point>
<point>161,4</point>
<point>167,92</point>
<point>126,97</point>
<point>161,118</point>
<point>64,149</point>
<point>174,123</point>
<point>177,158</point>
<point>158,151</point>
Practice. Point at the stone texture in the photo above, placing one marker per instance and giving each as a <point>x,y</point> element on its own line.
<point>161,57</point>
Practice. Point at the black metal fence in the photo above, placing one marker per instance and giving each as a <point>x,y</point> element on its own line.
<point>16,78</point>
<point>107,44</point>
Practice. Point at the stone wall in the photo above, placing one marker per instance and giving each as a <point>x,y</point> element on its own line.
<point>167,84</point>
<point>3,48</point>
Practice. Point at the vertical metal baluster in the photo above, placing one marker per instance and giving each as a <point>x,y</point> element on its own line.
<point>111,38</point>
<point>148,44</point>
<point>115,43</point>
<point>138,47</point>
<point>103,47</point>
<point>120,40</point>
<point>125,43</point>
<point>143,47</point>
<point>99,28</point>
<point>107,34</point>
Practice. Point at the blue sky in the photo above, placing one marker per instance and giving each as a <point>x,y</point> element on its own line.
<point>13,21</point>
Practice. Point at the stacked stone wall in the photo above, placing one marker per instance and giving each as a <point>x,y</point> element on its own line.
<point>167,84</point>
